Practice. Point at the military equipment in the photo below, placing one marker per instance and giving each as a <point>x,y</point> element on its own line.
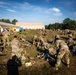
<point>74,49</point>
<point>1,45</point>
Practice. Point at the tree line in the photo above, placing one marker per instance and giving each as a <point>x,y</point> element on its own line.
<point>8,21</point>
<point>66,24</point>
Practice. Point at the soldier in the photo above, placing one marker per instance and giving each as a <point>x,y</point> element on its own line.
<point>22,37</point>
<point>35,38</point>
<point>70,40</point>
<point>40,40</point>
<point>15,47</point>
<point>5,37</point>
<point>42,44</point>
<point>63,52</point>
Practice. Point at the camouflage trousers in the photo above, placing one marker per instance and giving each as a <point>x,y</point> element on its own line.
<point>6,41</point>
<point>16,51</point>
<point>63,54</point>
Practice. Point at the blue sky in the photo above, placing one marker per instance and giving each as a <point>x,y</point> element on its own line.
<point>45,11</point>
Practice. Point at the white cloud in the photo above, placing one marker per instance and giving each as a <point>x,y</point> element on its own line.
<point>55,9</point>
<point>10,10</point>
<point>27,6</point>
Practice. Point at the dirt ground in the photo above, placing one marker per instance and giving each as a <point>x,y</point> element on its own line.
<point>41,66</point>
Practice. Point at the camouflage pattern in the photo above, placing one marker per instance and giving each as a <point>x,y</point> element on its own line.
<point>63,52</point>
<point>66,31</point>
<point>52,51</point>
<point>40,41</point>
<point>15,47</point>
<point>40,38</point>
<point>22,37</point>
<point>55,37</point>
<point>5,37</point>
<point>70,40</point>
<point>70,36</point>
<point>35,39</point>
<point>41,44</point>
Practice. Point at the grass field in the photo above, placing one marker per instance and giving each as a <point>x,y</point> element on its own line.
<point>41,66</point>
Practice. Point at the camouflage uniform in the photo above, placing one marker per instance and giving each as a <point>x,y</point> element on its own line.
<point>63,52</point>
<point>5,37</point>
<point>15,47</point>
<point>22,37</point>
<point>52,51</point>
<point>40,40</point>
<point>70,40</point>
<point>42,44</point>
<point>35,39</point>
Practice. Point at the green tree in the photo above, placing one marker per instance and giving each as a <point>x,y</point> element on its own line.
<point>73,24</point>
<point>5,20</point>
<point>46,26</point>
<point>69,24</point>
<point>57,25</point>
<point>2,20</point>
<point>14,21</point>
<point>67,21</point>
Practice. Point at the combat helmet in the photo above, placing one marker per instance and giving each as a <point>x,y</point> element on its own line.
<point>57,36</point>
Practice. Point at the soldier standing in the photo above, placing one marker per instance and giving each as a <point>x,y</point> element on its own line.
<point>5,37</point>
<point>15,47</point>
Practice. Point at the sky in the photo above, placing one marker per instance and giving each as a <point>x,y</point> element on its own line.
<point>45,11</point>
